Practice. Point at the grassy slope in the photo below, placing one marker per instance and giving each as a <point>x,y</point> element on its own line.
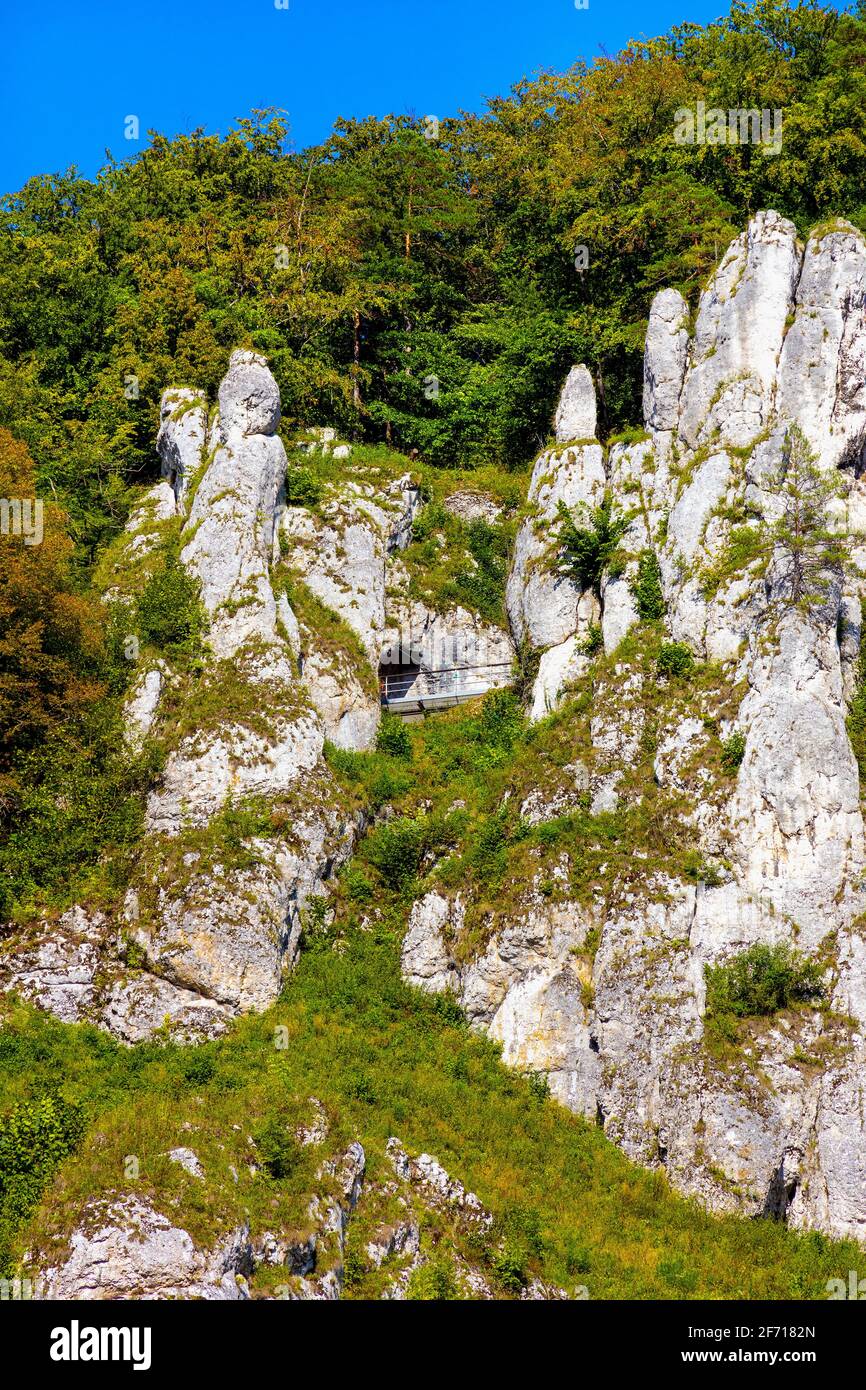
<point>385,1060</point>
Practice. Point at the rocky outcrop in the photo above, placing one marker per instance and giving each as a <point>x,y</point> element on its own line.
<point>126,1249</point>
<point>182,441</point>
<point>778,342</point>
<point>547,610</point>
<point>449,653</point>
<point>576,412</point>
<point>213,934</point>
<point>341,553</point>
<point>524,988</point>
<point>230,535</point>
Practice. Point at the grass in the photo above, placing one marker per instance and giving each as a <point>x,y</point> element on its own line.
<point>385,1060</point>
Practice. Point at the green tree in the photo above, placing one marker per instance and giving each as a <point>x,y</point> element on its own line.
<point>807,551</point>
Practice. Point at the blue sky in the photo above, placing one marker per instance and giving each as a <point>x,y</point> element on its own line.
<point>72,72</point>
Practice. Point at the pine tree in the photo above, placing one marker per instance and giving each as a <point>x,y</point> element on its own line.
<point>806,551</point>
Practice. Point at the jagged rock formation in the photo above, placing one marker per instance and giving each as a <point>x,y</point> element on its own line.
<point>342,554</point>
<point>599,984</point>
<point>545,609</point>
<point>779,340</point>
<point>214,937</point>
<point>122,1246</point>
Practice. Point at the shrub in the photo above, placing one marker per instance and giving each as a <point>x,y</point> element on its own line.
<point>396,850</point>
<point>593,642</point>
<point>501,722</point>
<point>434,1281</point>
<point>675,659</point>
<point>761,981</point>
<point>168,613</point>
<point>588,549</point>
<point>278,1147</point>
<point>539,1086</point>
<point>733,751</point>
<point>508,1269</point>
<point>647,588</point>
<point>303,489</point>
<point>35,1136</point>
<point>482,586</point>
<point>488,856</point>
<point>393,737</point>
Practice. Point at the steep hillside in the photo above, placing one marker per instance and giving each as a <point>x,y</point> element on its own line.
<point>632,869</point>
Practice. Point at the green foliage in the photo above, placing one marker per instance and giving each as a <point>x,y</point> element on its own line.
<point>509,1270</point>
<point>856,721</point>
<point>733,751</point>
<point>357,1030</point>
<point>303,488</point>
<point>278,1146</point>
<point>35,1136</point>
<point>376,777</point>
<point>396,850</point>
<point>433,1281</point>
<point>647,588</point>
<point>675,659</point>
<point>589,544</point>
<point>593,642</point>
<point>393,737</point>
<point>760,981</point>
<point>744,545</point>
<point>809,552</point>
<point>452,561</point>
<point>79,816</point>
<point>472,284</point>
<point>169,614</point>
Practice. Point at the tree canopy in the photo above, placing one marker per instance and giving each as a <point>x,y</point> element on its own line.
<point>414,289</point>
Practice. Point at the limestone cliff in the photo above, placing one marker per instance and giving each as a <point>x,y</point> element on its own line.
<point>779,341</point>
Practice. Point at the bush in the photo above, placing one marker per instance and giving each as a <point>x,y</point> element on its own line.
<point>675,659</point>
<point>488,856</point>
<point>647,588</point>
<point>434,1281</point>
<point>761,981</point>
<point>302,488</point>
<point>34,1138</point>
<point>393,737</point>
<point>278,1147</point>
<point>593,642</point>
<point>168,613</point>
<point>733,751</point>
<point>501,722</point>
<point>396,850</point>
<point>508,1269</point>
<point>588,549</point>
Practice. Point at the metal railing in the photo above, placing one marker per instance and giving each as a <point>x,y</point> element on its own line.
<point>460,682</point>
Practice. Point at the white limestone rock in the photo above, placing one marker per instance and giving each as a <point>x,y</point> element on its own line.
<point>543,601</point>
<point>559,667</point>
<point>739,334</point>
<point>182,439</point>
<point>142,704</point>
<point>349,711</point>
<point>57,967</point>
<point>204,773</point>
<point>341,552</point>
<point>424,957</point>
<point>664,364</point>
<point>229,538</point>
<point>139,1004</point>
<point>822,368</point>
<point>124,1248</point>
<point>576,412</point>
